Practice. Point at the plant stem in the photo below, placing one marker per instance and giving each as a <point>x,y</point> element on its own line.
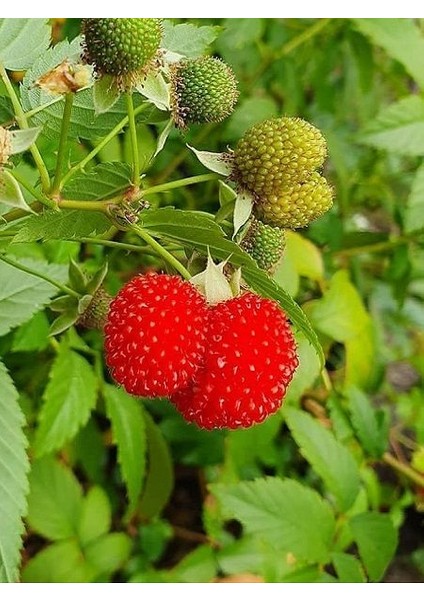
<point>117,129</point>
<point>117,245</point>
<point>37,109</point>
<point>61,154</point>
<point>167,256</point>
<point>134,141</point>
<point>404,469</point>
<point>380,246</point>
<point>171,185</point>
<point>35,193</point>
<point>23,124</point>
<point>25,269</point>
<point>96,205</point>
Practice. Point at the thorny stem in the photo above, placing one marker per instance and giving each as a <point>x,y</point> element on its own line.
<point>134,141</point>
<point>404,469</point>
<point>25,269</point>
<point>167,256</point>
<point>113,244</point>
<point>61,154</point>
<point>34,192</point>
<point>23,124</point>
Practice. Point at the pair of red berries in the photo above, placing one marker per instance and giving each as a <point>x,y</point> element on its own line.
<point>226,365</point>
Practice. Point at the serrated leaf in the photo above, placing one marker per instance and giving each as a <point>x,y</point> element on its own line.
<point>198,231</point>
<point>160,473</point>
<point>371,425</point>
<point>398,128</point>
<point>105,94</point>
<point>109,552</point>
<point>198,566</point>
<point>348,568</point>
<point>187,39</point>
<point>214,161</point>
<point>328,457</point>
<point>14,466</point>
<point>22,41</point>
<point>96,516</point>
<point>62,562</point>
<point>402,39</point>
<point>101,182</point>
<point>414,213</point>
<point>21,139</point>
<point>69,398</point>
<point>10,192</point>
<point>22,295</point>
<point>128,427</point>
<point>242,211</point>
<point>63,225</point>
<point>377,539</point>
<point>55,500</point>
<point>156,90</point>
<point>288,515</point>
<point>33,335</point>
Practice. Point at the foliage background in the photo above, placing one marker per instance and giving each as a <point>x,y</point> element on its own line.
<point>332,487</point>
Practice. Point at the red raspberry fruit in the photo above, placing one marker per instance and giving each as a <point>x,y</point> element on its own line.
<point>155,334</point>
<point>250,360</point>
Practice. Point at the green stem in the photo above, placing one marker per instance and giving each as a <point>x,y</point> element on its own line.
<point>96,205</point>
<point>380,246</point>
<point>18,213</point>
<point>167,256</point>
<point>171,185</point>
<point>25,269</point>
<point>404,469</point>
<point>134,141</point>
<point>35,193</point>
<point>23,124</point>
<point>37,109</point>
<point>117,129</point>
<point>117,245</point>
<point>64,131</point>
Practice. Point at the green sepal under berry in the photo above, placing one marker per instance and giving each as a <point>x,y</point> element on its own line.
<point>296,205</point>
<point>264,243</point>
<point>276,152</point>
<point>123,48</point>
<point>203,90</point>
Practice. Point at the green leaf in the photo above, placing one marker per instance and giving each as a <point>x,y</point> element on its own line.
<point>22,41</point>
<point>62,562</point>
<point>402,39</point>
<point>22,295</point>
<point>414,213</point>
<point>306,257</point>
<point>67,224</point>
<point>160,472</point>
<point>199,566</point>
<point>398,128</point>
<point>10,192</point>
<point>187,39</point>
<point>101,182</point>
<point>328,457</point>
<point>69,398</point>
<point>54,501</point>
<point>109,552</point>
<point>33,335</point>
<point>348,568</point>
<point>202,233</point>
<point>96,516</point>
<point>128,426</point>
<point>214,161</point>
<point>14,466</point>
<point>290,516</point>
<point>371,425</point>
<point>21,139</point>
<point>105,94</point>
<point>377,540</point>
<point>242,210</point>
<point>156,90</point>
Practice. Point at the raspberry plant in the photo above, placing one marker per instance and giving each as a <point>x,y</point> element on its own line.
<point>162,324</point>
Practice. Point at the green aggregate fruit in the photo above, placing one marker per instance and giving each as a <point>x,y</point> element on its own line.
<point>276,152</point>
<point>264,243</point>
<point>203,90</point>
<point>122,48</point>
<point>296,204</point>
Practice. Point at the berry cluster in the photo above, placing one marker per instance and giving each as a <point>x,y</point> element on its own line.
<point>226,365</point>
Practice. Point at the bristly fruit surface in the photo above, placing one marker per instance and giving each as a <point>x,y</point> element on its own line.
<point>276,152</point>
<point>250,360</point>
<point>203,90</point>
<point>264,243</point>
<point>155,334</point>
<point>298,204</point>
<point>123,48</point>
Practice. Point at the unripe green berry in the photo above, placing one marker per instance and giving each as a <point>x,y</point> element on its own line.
<point>203,90</point>
<point>122,48</point>
<point>276,152</point>
<point>264,243</point>
<point>296,204</point>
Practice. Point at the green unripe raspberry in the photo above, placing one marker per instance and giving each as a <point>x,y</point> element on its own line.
<point>297,204</point>
<point>203,90</point>
<point>121,47</point>
<point>276,152</point>
<point>265,244</point>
